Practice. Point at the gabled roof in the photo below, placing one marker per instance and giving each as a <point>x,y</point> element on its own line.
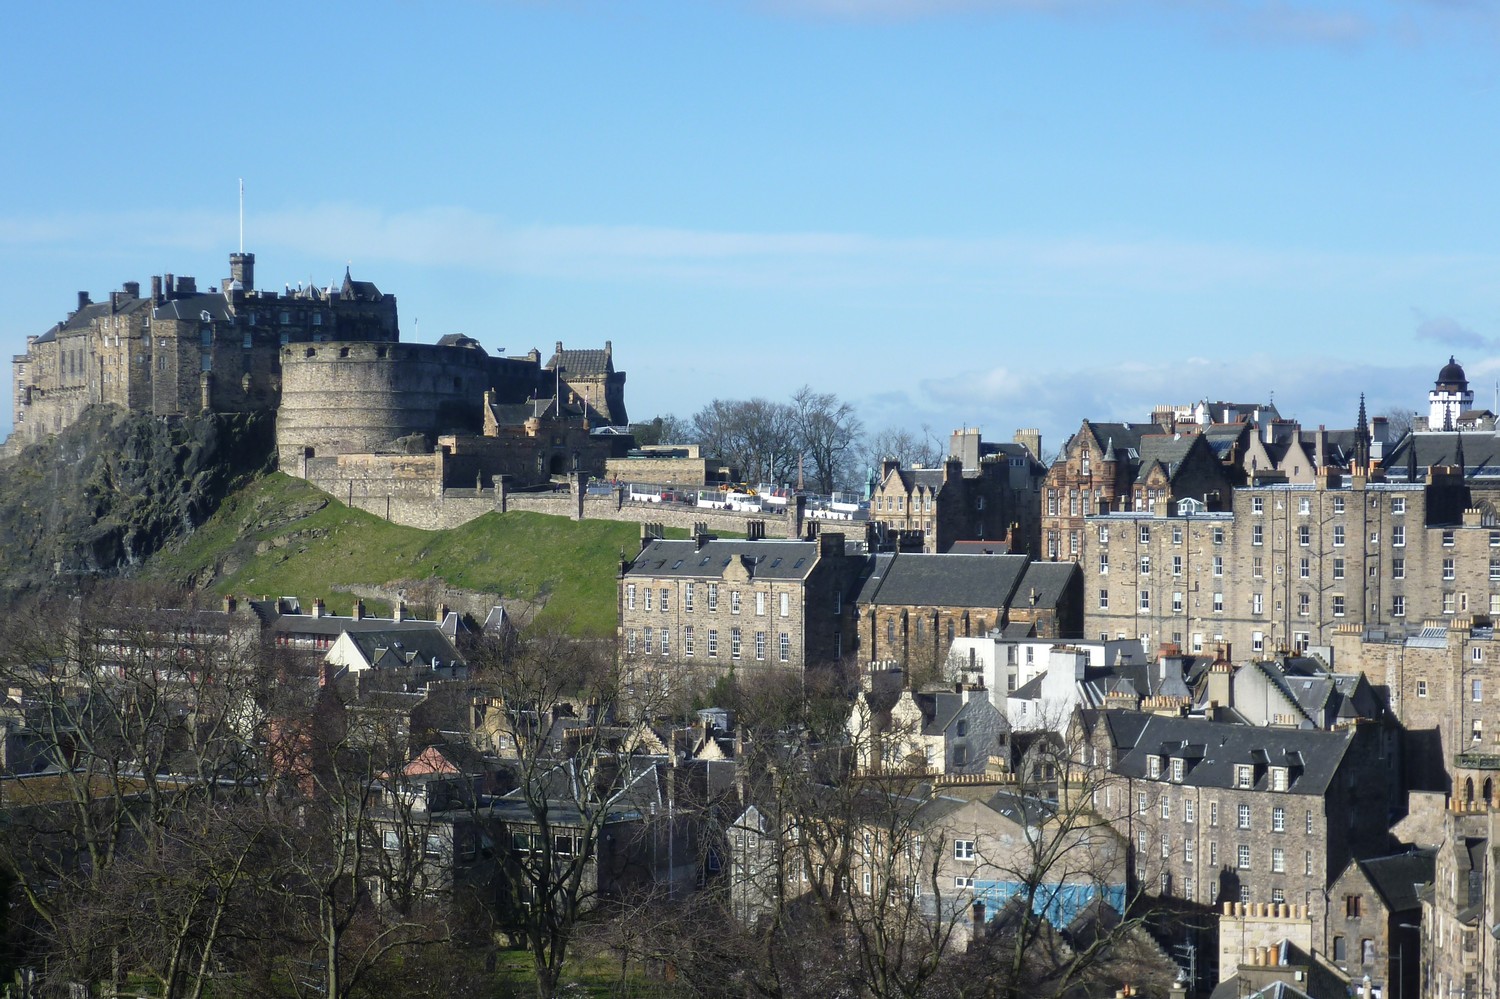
<point>1481,452</point>
<point>582,363</point>
<point>1398,877</point>
<point>1318,754</point>
<point>404,646</point>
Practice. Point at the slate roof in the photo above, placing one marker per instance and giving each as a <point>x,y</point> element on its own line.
<point>1398,877</point>
<point>414,646</point>
<point>1481,452</point>
<point>1319,754</point>
<point>945,580</point>
<point>581,363</point>
<point>193,308</point>
<point>332,626</point>
<point>772,559</point>
<point>1168,450</point>
<point>979,548</point>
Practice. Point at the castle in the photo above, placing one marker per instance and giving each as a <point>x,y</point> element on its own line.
<point>352,402</point>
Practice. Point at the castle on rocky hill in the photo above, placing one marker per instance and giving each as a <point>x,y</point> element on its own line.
<point>347,393</point>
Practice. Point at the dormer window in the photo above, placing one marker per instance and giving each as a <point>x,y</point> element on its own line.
<point>1153,766</point>
<point>1244,775</point>
<point>1178,768</point>
<point>1278,778</point>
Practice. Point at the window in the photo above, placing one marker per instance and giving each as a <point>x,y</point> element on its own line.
<point>1338,605</point>
<point>1447,539</point>
<point>1353,904</point>
<point>1304,603</point>
<point>1177,770</point>
<point>785,648</point>
<point>1103,599</point>
<point>1166,807</point>
<point>1218,565</point>
<point>1257,535</point>
<point>1257,603</point>
<point>760,646</point>
<point>963,882</point>
<point>1448,603</point>
<point>630,640</point>
<point>1278,860</point>
<point>1398,606</point>
<point>1243,812</point>
<point>1177,602</point>
<point>630,596</point>
<point>1476,689</point>
<point>1176,534</point>
<point>1140,841</point>
<point>1398,568</point>
<point>687,598</point>
<point>1257,641</point>
<point>1278,818</point>
<point>1398,535</point>
<point>1166,848</point>
<point>1213,855</point>
<point>1218,535</point>
<point>1338,504</point>
<point>1448,569</point>
<point>1307,863</point>
<point>663,601</point>
<point>1104,534</point>
<point>1278,895</point>
<point>647,594</point>
<point>713,596</point>
<point>1153,766</point>
<point>1338,535</point>
<point>734,602</point>
<point>713,642</point>
<point>1145,565</point>
<point>1255,567</point>
<point>1398,504</point>
<point>734,643</point>
<point>1140,802</point>
<point>1304,535</point>
<point>1421,688</point>
<point>1188,853</point>
<point>963,849</point>
<point>1309,822</point>
<point>666,642</point>
<point>1213,813</point>
<point>392,840</point>
<point>648,641</point>
<point>1257,504</point>
<point>1304,506</point>
<point>1242,856</point>
<point>786,604</point>
<point>1145,600</point>
<point>1477,654</point>
<point>1176,565</point>
<point>760,605</point>
<point>687,641</point>
<point>1338,568</point>
<point>1218,603</point>
<point>1304,568</point>
<point>1279,777</point>
<point>1145,534</point>
<point>1340,954</point>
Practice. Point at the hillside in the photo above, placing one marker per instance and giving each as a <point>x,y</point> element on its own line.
<point>280,535</point>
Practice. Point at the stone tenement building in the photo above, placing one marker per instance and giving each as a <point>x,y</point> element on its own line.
<point>181,350</point>
<point>1218,812</point>
<point>1287,564</point>
<point>696,610</point>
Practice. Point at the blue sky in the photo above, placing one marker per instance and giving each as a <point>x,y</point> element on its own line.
<point>998,213</point>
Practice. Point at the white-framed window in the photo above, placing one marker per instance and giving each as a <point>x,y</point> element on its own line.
<point>962,882</point>
<point>1213,813</point>
<point>1104,563</point>
<point>1278,860</point>
<point>1140,802</point>
<point>1338,504</point>
<point>963,849</point>
<point>760,646</point>
<point>786,604</point>
<point>734,602</point>
<point>1449,570</point>
<point>1145,565</point>
<point>1338,568</point>
<point>1257,504</point>
<point>785,647</point>
<point>713,597</point>
<point>1189,812</point>
<point>1476,688</point>
<point>1145,600</point>
<point>1243,814</point>
<point>1398,505</point>
<point>1257,535</point>
<point>687,598</point>
<point>1447,539</point>
<point>1278,819</point>
<point>1177,769</point>
<point>1242,856</point>
<point>1257,641</point>
<point>1304,568</point>
<point>1398,536</point>
<point>1176,534</point>
<point>663,601</point>
<point>648,641</point>
<point>1103,599</point>
<point>646,593</point>
<point>1398,568</point>
<point>1189,854</point>
<point>1153,767</point>
<point>1218,565</point>
<point>734,643</point>
<point>687,642</point>
<point>1177,602</point>
<point>1279,778</point>
<point>760,604</point>
<point>1257,603</point>
<point>1304,506</point>
<point>1244,776</point>
<point>1104,534</point>
<point>1166,807</point>
<point>1176,565</point>
<point>713,643</point>
<point>666,642</point>
<point>1145,534</point>
<point>1338,605</point>
<point>1218,602</point>
<point>1398,606</point>
<point>1304,535</point>
<point>630,642</point>
<point>1449,602</point>
<point>1218,535</point>
<point>630,596</point>
<point>1338,535</point>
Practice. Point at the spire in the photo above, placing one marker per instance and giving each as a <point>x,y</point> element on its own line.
<point>1362,438</point>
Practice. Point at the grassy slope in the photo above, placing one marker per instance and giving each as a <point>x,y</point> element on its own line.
<point>310,549</point>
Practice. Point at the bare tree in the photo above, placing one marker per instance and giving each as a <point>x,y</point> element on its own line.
<point>828,433</point>
<point>912,448</point>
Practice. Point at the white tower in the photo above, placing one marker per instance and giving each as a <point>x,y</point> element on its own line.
<point>1449,397</point>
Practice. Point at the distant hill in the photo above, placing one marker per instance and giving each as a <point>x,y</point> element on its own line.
<point>281,536</point>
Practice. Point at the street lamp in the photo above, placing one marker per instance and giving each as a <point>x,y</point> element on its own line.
<point>1401,958</point>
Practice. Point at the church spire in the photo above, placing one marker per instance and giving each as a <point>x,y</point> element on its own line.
<point>1362,438</point>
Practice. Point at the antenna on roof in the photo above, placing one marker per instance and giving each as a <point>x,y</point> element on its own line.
<point>242,214</point>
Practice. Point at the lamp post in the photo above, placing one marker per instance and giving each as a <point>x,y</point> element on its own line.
<point>1401,958</point>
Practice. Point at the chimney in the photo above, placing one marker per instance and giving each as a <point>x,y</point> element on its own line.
<point>442,613</point>
<point>317,607</point>
<point>229,605</point>
<point>399,614</point>
<point>171,286</point>
<point>156,288</point>
<point>83,299</point>
<point>359,610</point>
<point>132,289</point>
<point>187,286</point>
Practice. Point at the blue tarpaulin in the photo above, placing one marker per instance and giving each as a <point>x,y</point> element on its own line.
<point>1058,904</point>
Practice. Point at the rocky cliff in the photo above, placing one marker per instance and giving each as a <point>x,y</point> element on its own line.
<point>113,488</point>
